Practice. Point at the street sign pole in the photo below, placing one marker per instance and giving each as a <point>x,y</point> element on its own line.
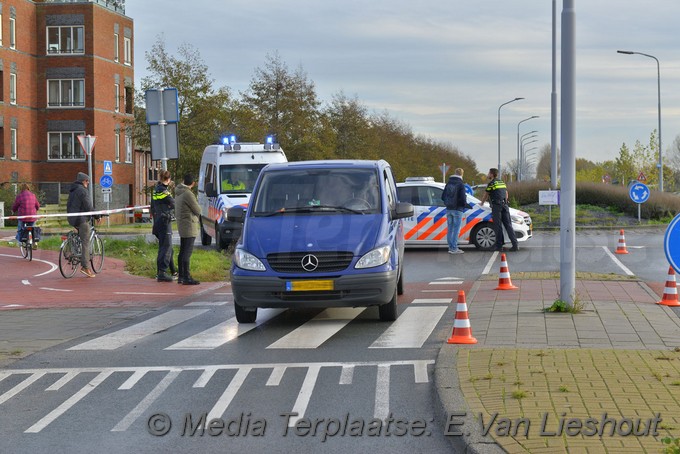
<point>162,123</point>
<point>87,144</point>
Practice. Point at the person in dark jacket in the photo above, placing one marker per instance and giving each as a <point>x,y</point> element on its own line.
<point>456,203</point>
<point>187,213</point>
<point>162,207</point>
<point>497,194</point>
<point>79,201</point>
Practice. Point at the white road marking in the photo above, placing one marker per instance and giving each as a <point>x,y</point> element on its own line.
<point>347,375</point>
<point>71,401</point>
<point>319,329</point>
<point>13,305</point>
<point>431,301</point>
<point>618,262</point>
<point>205,377</point>
<point>276,376</point>
<point>53,266</point>
<point>445,283</point>
<point>138,331</point>
<point>56,386</point>
<point>382,392</point>
<point>206,303</point>
<point>229,393</point>
<point>304,395</point>
<point>141,407</point>
<point>49,289</point>
<point>490,263</point>
<point>144,293</point>
<point>222,333</point>
<point>26,282</point>
<point>411,329</point>
<point>132,381</point>
<point>21,386</point>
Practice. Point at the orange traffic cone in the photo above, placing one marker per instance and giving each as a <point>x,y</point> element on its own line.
<point>621,248</point>
<point>504,282</point>
<point>462,332</point>
<point>670,291</point>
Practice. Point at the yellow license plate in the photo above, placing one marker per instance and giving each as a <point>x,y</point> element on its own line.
<point>306,286</point>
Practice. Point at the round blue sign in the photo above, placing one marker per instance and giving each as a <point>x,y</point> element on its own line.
<point>639,192</point>
<point>106,181</point>
<point>469,189</point>
<point>671,243</point>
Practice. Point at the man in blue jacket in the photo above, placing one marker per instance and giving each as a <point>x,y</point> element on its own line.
<point>456,203</point>
<point>79,201</point>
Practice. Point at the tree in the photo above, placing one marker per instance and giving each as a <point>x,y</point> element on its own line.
<point>543,168</point>
<point>203,110</point>
<point>286,103</point>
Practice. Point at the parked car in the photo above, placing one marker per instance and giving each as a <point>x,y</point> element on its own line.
<point>427,227</point>
<point>320,234</point>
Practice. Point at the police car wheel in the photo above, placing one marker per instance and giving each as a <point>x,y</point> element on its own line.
<point>388,312</point>
<point>484,237</point>
<point>243,315</point>
<point>219,244</point>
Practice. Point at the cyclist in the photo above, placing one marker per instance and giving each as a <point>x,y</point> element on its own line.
<point>79,202</point>
<point>25,204</point>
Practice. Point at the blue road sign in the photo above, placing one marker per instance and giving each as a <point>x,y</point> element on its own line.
<point>469,189</point>
<point>106,181</point>
<point>671,243</point>
<point>639,192</point>
<point>108,168</point>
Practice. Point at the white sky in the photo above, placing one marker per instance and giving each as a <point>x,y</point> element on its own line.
<point>444,67</point>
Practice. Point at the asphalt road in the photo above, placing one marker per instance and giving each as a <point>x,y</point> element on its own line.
<point>355,383</point>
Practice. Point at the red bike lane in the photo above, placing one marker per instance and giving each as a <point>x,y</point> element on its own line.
<point>39,284</point>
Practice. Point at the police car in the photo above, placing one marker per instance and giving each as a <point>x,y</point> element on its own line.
<point>427,227</point>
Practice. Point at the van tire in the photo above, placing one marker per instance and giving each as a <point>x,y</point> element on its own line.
<point>243,315</point>
<point>484,236</point>
<point>388,312</point>
<point>400,283</point>
<point>205,238</point>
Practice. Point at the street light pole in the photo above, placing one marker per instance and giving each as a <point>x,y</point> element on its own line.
<point>521,141</point>
<point>526,119</point>
<point>658,86</point>
<point>499,132</point>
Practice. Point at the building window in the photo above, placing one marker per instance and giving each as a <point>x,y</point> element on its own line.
<point>66,40</point>
<point>128,146</point>
<point>13,143</point>
<point>117,97</point>
<point>12,33</point>
<point>128,100</point>
<point>64,145</point>
<point>115,47</point>
<point>116,144</point>
<point>12,88</point>
<point>127,56</point>
<point>66,93</point>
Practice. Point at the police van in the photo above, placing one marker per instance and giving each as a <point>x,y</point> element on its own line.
<point>427,227</point>
<point>226,178</point>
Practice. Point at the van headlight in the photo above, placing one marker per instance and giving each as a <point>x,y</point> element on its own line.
<point>247,261</point>
<point>376,257</point>
<point>517,219</point>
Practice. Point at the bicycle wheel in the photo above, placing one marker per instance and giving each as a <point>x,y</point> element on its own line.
<point>96,253</point>
<point>68,261</point>
<point>29,246</point>
<point>24,249</point>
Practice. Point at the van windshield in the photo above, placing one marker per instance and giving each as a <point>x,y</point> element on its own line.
<point>239,178</point>
<point>318,191</point>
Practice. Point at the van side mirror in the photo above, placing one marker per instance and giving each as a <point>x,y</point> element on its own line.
<point>210,190</point>
<point>236,214</point>
<point>403,210</point>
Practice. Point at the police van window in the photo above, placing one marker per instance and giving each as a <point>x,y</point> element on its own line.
<point>408,194</point>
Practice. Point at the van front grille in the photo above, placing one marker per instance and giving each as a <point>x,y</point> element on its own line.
<point>303,262</point>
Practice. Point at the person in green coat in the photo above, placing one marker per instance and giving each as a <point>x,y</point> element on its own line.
<point>187,213</point>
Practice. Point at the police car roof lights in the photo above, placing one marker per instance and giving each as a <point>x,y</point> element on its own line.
<point>270,145</point>
<point>412,179</point>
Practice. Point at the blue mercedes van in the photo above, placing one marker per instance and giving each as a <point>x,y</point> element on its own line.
<point>320,234</point>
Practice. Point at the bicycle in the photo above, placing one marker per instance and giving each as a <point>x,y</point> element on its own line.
<point>28,240</point>
<point>70,252</point>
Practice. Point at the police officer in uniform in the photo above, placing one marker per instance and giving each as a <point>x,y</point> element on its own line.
<point>497,194</point>
<point>162,207</point>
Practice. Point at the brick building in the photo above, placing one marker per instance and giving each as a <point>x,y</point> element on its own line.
<point>66,69</point>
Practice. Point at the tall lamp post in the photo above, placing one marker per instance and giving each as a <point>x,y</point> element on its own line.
<point>526,119</point>
<point>499,132</point>
<point>528,135</point>
<point>658,85</point>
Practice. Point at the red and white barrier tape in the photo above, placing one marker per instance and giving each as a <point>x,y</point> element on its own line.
<point>87,213</point>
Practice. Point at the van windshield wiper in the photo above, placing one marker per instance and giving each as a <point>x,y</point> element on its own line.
<point>312,209</point>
